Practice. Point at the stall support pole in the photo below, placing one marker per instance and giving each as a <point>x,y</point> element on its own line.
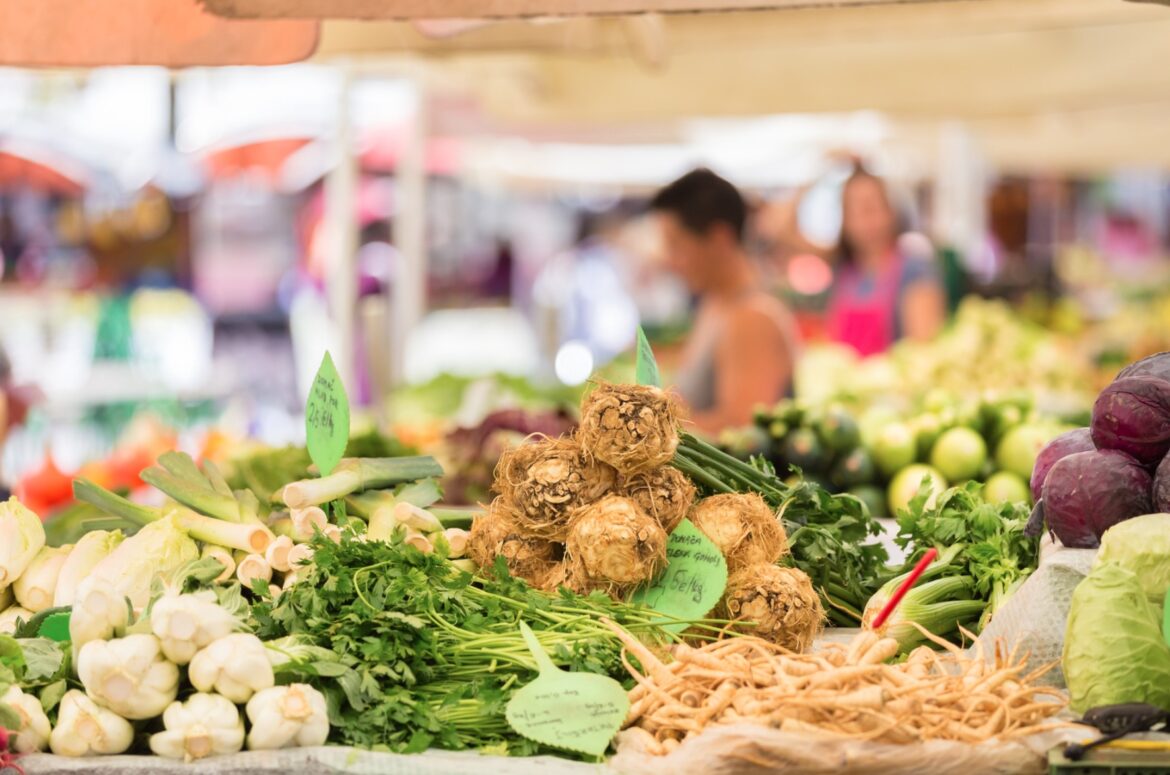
<point>342,231</point>
<point>960,191</point>
<point>408,291</point>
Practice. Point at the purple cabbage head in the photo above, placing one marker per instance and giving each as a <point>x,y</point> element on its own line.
<point>1160,492</point>
<point>1132,415</point>
<point>1080,440</point>
<point>1157,365</point>
<point>1087,493</point>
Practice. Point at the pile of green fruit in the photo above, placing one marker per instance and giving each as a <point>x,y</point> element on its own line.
<point>882,456</point>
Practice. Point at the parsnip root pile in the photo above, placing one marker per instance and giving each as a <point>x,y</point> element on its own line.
<point>841,692</point>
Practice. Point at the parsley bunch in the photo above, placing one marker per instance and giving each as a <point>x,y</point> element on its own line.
<point>429,656</point>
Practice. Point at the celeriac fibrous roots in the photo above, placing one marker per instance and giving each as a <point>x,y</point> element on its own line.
<point>546,481</point>
<point>664,493</point>
<point>744,528</point>
<point>498,534</point>
<point>774,603</point>
<point>613,546</point>
<point>633,428</point>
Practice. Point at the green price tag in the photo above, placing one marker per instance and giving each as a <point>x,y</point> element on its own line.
<point>646,368</point>
<point>327,418</point>
<point>574,711</point>
<point>55,627</point>
<point>694,579</point>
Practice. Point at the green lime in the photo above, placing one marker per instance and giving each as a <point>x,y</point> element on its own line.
<point>1006,487</point>
<point>905,486</point>
<point>895,448</point>
<point>1018,449</point>
<point>959,454</point>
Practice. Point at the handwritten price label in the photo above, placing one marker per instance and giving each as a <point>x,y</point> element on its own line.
<point>576,711</point>
<point>694,579</point>
<point>327,418</point>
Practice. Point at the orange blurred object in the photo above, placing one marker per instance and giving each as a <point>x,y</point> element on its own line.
<point>266,156</point>
<point>46,488</point>
<point>19,171</point>
<point>217,446</point>
<point>171,33</point>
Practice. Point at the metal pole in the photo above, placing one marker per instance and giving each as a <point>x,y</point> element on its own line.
<point>342,236</point>
<point>408,290</point>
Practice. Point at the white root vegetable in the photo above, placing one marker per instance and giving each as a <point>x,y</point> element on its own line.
<point>21,536</point>
<point>278,553</point>
<point>333,533</point>
<point>33,733</point>
<point>204,725</point>
<point>253,567</point>
<point>36,586</point>
<point>418,519</point>
<point>457,541</point>
<point>129,675</point>
<point>274,590</point>
<point>186,623</point>
<point>465,566</point>
<point>419,541</point>
<point>99,613</point>
<point>305,520</point>
<point>289,579</point>
<point>224,557</point>
<point>84,728</point>
<point>91,548</point>
<point>6,598</point>
<point>287,717</point>
<point>300,556</point>
<point>236,667</point>
<point>10,616</point>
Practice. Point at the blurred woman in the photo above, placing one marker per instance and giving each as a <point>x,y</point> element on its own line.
<point>881,292</point>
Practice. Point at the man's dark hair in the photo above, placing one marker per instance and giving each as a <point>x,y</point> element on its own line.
<point>700,199</point>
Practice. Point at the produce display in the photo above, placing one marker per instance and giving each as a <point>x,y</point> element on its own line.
<point>881,456</point>
<point>282,598</point>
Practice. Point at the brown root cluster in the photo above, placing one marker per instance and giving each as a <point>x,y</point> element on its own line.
<point>664,493</point>
<point>615,546</point>
<point>633,428</point>
<point>744,528</point>
<point>775,603</point>
<point>498,534</point>
<point>547,481</point>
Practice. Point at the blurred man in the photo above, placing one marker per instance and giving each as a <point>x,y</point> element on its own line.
<point>743,346</point>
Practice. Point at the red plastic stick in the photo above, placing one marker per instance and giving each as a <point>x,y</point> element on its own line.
<point>901,591</point>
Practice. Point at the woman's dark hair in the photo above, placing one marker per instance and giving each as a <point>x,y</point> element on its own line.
<point>846,253</point>
<point>700,199</point>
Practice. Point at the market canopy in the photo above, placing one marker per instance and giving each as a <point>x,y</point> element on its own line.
<point>484,9</point>
<point>172,33</point>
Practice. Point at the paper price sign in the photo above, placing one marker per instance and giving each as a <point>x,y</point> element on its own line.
<point>694,579</point>
<point>327,418</point>
<point>575,711</point>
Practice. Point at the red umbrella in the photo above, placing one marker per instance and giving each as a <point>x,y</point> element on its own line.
<point>18,170</point>
<point>267,156</point>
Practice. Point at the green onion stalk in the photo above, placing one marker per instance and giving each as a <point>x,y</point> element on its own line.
<point>356,474</point>
<point>247,537</point>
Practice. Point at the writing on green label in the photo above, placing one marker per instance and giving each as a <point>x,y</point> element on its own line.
<point>574,711</point>
<point>694,579</point>
<point>327,418</point>
<point>646,368</point>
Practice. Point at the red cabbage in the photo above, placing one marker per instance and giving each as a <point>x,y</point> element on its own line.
<point>1157,365</point>
<point>1080,440</point>
<point>1132,415</point>
<point>1160,492</point>
<point>1087,493</point>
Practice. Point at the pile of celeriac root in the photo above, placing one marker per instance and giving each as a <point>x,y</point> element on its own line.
<point>841,692</point>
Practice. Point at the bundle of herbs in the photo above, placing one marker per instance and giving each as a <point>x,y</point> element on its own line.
<point>427,656</point>
<point>829,536</point>
<point>984,556</point>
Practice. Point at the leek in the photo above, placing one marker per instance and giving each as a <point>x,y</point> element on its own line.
<point>247,537</point>
<point>423,493</point>
<point>356,474</point>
